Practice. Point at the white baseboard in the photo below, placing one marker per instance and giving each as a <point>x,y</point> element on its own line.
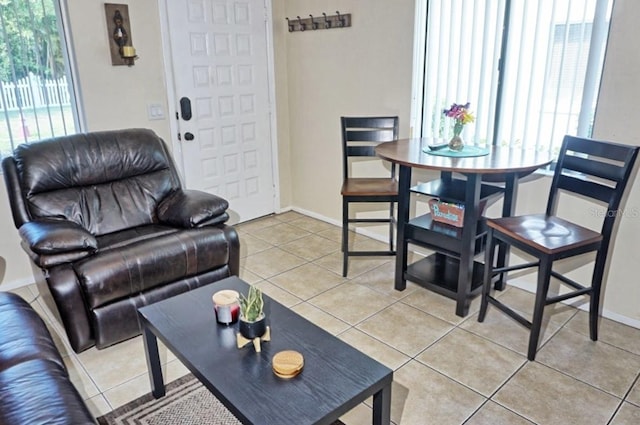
<point>620,318</point>
<point>359,230</point>
<point>530,287</point>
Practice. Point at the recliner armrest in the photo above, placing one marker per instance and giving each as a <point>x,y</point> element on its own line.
<point>53,236</point>
<point>192,208</point>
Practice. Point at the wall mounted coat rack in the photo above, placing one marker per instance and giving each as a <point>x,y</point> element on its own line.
<point>323,22</point>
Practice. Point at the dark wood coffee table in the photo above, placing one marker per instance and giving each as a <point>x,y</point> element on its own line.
<point>335,379</point>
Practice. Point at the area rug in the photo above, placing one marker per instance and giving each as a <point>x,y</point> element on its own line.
<point>187,402</point>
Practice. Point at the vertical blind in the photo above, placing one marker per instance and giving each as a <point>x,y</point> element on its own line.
<point>36,93</point>
<point>530,69</point>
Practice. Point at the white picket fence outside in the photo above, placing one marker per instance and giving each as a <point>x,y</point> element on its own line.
<point>33,92</point>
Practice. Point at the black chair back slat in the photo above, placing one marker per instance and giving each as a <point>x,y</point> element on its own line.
<point>593,167</point>
<point>591,147</point>
<point>586,188</point>
<point>361,151</point>
<point>370,122</point>
<point>376,135</point>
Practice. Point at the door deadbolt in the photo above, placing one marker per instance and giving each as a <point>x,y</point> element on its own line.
<point>185,108</point>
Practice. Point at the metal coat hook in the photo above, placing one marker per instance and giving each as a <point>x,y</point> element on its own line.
<point>327,23</point>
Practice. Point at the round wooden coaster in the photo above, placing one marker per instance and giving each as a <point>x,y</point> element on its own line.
<point>287,363</point>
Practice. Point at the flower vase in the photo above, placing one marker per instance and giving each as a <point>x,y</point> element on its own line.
<point>456,143</point>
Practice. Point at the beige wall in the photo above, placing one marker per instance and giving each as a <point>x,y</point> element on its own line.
<point>365,69</point>
<point>117,96</point>
<point>361,70</point>
<point>616,120</point>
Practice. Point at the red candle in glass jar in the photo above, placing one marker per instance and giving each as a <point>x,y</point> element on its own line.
<point>227,306</point>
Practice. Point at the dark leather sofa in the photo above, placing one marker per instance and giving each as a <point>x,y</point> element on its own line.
<point>34,382</point>
<point>109,228</point>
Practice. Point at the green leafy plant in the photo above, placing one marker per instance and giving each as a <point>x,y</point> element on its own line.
<point>252,305</point>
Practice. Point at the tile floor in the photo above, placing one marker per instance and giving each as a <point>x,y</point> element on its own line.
<point>447,369</point>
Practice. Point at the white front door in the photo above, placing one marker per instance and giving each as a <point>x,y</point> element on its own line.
<point>220,65</point>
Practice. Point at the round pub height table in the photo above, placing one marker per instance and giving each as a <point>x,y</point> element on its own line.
<point>452,271</point>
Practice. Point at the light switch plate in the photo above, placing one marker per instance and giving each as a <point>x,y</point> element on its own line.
<point>155,111</point>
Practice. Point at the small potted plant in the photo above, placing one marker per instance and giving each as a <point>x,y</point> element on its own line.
<point>253,323</point>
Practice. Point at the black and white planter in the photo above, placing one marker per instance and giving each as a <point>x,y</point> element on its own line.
<point>251,330</point>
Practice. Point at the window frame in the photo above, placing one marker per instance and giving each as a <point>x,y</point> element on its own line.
<point>68,53</point>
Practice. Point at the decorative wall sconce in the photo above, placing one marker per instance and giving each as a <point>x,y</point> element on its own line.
<point>119,32</point>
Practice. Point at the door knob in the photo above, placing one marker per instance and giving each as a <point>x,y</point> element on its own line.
<point>188,136</point>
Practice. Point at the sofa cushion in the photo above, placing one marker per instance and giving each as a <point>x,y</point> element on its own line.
<point>129,236</point>
<point>34,382</point>
<point>108,207</point>
<point>137,267</point>
<point>23,334</point>
<point>39,392</point>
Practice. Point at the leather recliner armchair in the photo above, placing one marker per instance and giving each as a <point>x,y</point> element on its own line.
<point>109,228</point>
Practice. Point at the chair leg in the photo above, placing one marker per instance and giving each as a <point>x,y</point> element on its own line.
<point>488,273</point>
<point>391,220</point>
<point>544,277</point>
<point>503,254</point>
<point>345,237</point>
<point>594,301</point>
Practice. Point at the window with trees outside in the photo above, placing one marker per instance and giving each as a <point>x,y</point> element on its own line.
<point>37,98</point>
<point>530,69</point>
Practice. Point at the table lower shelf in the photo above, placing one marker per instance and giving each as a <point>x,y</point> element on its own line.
<point>444,238</point>
<point>439,273</point>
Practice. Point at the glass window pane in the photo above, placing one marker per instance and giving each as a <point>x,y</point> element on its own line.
<point>36,99</point>
<point>462,52</point>
<point>545,72</point>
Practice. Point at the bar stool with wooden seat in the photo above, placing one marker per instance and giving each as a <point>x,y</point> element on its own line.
<point>360,135</point>
<point>594,170</point>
